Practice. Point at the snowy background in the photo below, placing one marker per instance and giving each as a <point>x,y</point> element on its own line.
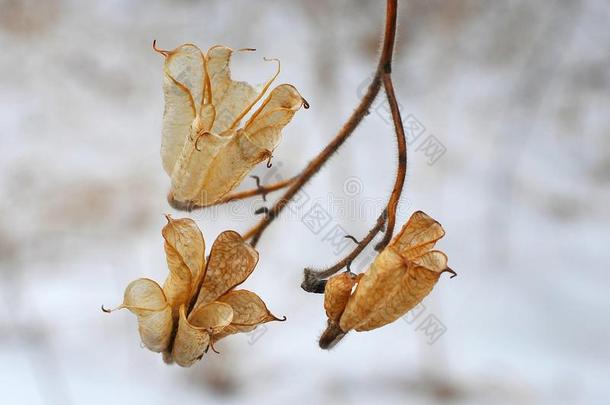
<point>516,94</point>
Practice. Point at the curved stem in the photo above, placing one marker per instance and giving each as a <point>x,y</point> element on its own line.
<point>260,190</point>
<point>311,280</point>
<point>402,162</point>
<point>241,195</point>
<point>384,66</point>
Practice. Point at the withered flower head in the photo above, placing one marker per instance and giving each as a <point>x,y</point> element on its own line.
<point>204,150</point>
<point>198,304</point>
<point>399,278</point>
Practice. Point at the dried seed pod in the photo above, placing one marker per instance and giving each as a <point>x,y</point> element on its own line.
<point>373,290</point>
<point>174,311</point>
<point>413,287</point>
<point>203,150</point>
<point>336,295</point>
<point>400,277</point>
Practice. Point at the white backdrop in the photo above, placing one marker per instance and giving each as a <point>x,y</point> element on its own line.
<point>516,93</point>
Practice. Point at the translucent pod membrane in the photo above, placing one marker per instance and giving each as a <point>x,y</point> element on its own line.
<point>399,278</point>
<point>198,304</point>
<point>204,150</point>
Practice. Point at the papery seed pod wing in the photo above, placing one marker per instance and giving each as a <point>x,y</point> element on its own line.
<point>414,286</point>
<point>231,261</point>
<point>417,236</point>
<point>190,342</point>
<point>264,128</point>
<point>183,85</point>
<point>373,289</point>
<point>194,166</point>
<point>203,150</point>
<point>185,253</point>
<point>230,98</point>
<point>336,294</point>
<point>145,299</point>
<point>249,311</point>
<point>194,332</point>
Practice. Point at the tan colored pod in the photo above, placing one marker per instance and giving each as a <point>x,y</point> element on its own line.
<point>373,289</point>
<point>336,294</point>
<point>415,284</point>
<point>399,278</point>
<point>203,149</point>
<point>198,304</point>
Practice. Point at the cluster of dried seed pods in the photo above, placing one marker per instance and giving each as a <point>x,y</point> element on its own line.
<point>399,278</point>
<point>207,153</point>
<point>204,150</point>
<point>198,304</point>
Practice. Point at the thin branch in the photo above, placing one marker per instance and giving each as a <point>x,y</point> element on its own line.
<point>384,66</point>
<point>402,161</point>
<point>312,277</point>
<point>260,190</point>
<point>241,195</point>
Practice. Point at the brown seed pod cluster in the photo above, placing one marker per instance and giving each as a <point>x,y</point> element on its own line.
<point>400,277</point>
<point>198,304</point>
<point>207,152</point>
<point>204,149</point>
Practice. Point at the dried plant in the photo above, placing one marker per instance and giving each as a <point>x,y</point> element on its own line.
<point>198,304</point>
<point>202,148</point>
<point>399,278</point>
<point>207,155</point>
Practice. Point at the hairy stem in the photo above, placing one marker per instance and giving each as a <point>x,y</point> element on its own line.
<point>402,161</point>
<point>384,67</point>
<point>311,280</point>
<point>260,190</point>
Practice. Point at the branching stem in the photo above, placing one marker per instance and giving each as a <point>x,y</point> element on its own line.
<point>402,162</point>
<point>383,72</point>
<point>259,190</point>
<point>312,278</point>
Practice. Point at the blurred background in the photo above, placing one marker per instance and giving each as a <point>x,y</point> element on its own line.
<point>505,105</point>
